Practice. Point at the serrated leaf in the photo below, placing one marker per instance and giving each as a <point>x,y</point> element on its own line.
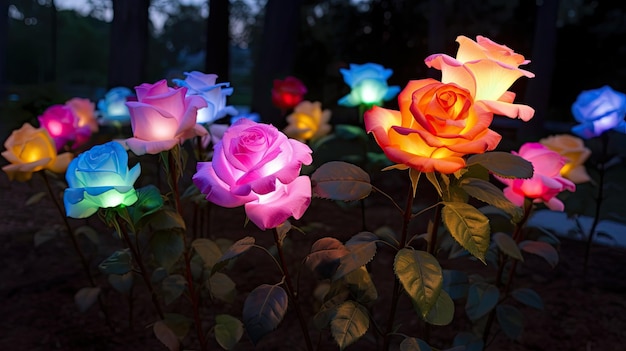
<point>361,285</point>
<point>173,286</point>
<point>455,283</point>
<point>442,311</point>
<point>337,180</point>
<point>118,263</point>
<point>234,250</point>
<point>263,310</point>
<point>528,297</point>
<point>166,336</point>
<point>481,299</point>
<point>222,287</point>
<point>541,249</point>
<point>329,308</point>
<point>121,282</point>
<point>491,194</point>
<point>208,250</point>
<point>325,255</point>
<point>508,246</point>
<point>361,251</point>
<point>421,276</point>
<point>349,324</point>
<point>414,344</point>
<point>503,164</point>
<point>86,297</point>
<point>34,199</point>
<point>468,226</point>
<point>511,321</point>
<point>228,331</point>
<point>167,247</point>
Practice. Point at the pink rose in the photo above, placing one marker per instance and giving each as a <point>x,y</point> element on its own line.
<point>162,117</point>
<point>62,124</point>
<point>257,166</point>
<point>546,181</point>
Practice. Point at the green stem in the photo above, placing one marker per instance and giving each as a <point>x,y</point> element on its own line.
<point>292,294</point>
<point>396,284</point>
<point>77,248</point>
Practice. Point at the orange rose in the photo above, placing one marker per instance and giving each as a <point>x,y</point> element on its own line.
<point>487,69</point>
<point>308,121</point>
<point>436,126</point>
<point>86,112</point>
<point>30,150</point>
<point>574,150</point>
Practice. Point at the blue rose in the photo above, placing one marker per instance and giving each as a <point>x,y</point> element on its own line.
<point>99,178</point>
<point>369,85</point>
<point>598,111</point>
<point>112,108</point>
<point>198,83</point>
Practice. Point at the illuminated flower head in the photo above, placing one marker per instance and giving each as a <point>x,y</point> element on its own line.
<point>288,93</point>
<point>308,121</point>
<point>201,84</point>
<point>574,151</point>
<point>62,124</point>
<point>112,108</point>
<point>85,111</point>
<point>599,110</point>
<point>29,150</point>
<point>369,85</point>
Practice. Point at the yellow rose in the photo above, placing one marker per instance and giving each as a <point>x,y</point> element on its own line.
<point>29,150</point>
<point>574,150</point>
<point>308,121</point>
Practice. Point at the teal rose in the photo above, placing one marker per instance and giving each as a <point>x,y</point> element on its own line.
<point>99,178</point>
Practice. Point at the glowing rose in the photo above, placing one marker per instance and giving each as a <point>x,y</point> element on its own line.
<point>214,94</point>
<point>436,126</point>
<point>546,182</point>
<point>598,111</point>
<point>99,178</point>
<point>61,122</point>
<point>308,121</point>
<point>288,93</point>
<point>162,117</point>
<point>112,107</point>
<point>29,150</point>
<point>369,85</point>
<point>85,111</point>
<point>575,153</point>
<point>487,69</point>
<point>257,166</point>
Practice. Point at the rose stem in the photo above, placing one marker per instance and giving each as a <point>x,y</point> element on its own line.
<point>193,295</point>
<point>432,244</point>
<point>144,273</point>
<point>396,284</point>
<point>596,218</point>
<point>291,292</point>
<point>77,248</point>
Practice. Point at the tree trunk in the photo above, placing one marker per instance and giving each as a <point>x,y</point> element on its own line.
<point>275,55</point>
<point>129,43</point>
<point>537,93</point>
<point>218,40</point>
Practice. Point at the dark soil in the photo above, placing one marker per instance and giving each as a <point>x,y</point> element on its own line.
<point>37,285</point>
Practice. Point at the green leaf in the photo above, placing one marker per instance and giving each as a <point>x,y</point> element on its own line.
<point>179,324</point>
<point>491,194</point>
<point>325,255</point>
<point>470,342</point>
<point>236,249</point>
<point>362,248</point>
<point>165,219</point>
<point>503,164</point>
<point>511,321</point>
<point>337,180</point>
<point>167,246</point>
<point>45,234</point>
<point>263,310</point>
<point>414,344</point>
<point>158,275</point>
<point>208,250</point>
<point>86,297</point>
<point>481,299</point>
<point>468,226</point>
<point>528,297</point>
<point>121,282</point>
<point>222,287</point>
<point>455,283</point>
<point>118,263</point>
<point>173,286</point>
<point>542,249</point>
<point>149,200</point>
<point>166,336</point>
<point>442,311</point>
<point>415,178</point>
<point>328,311</point>
<point>89,232</point>
<point>508,246</point>
<point>347,131</point>
<point>34,199</point>
<point>228,331</point>
<point>421,276</point>
<point>361,285</point>
<point>350,323</point>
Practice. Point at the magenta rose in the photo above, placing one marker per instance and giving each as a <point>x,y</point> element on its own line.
<point>257,166</point>
<point>546,182</point>
<point>162,117</point>
<point>62,123</point>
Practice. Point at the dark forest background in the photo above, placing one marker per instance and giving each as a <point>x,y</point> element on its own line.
<point>48,55</point>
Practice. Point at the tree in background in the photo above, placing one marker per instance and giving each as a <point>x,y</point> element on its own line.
<point>218,39</point>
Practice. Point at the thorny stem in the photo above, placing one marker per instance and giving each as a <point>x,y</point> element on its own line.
<point>292,294</point>
<point>596,218</point>
<point>396,284</point>
<point>77,248</point>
